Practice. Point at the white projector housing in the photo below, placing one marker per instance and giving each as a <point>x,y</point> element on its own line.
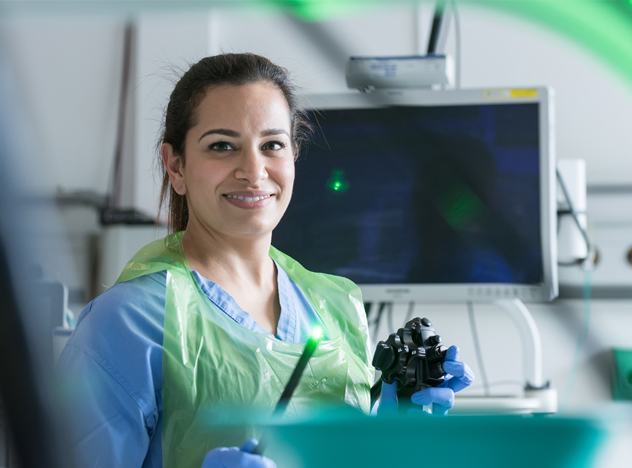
<point>415,71</point>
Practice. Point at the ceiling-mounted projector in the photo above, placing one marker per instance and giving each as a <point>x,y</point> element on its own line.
<point>415,71</point>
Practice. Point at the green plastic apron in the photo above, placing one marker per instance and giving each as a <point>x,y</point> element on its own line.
<point>211,362</point>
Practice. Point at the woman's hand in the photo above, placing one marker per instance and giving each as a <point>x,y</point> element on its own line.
<point>459,376</point>
<point>233,457</point>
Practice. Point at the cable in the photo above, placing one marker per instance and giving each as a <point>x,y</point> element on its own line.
<point>376,391</point>
<point>114,197</point>
<point>378,319</point>
<point>571,209</point>
<point>391,325</point>
<point>457,37</point>
<point>477,347</point>
<point>437,20</point>
<point>409,314</point>
<point>368,306</point>
<point>581,340</point>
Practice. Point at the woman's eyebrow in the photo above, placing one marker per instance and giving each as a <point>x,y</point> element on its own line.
<point>234,134</point>
<point>221,131</point>
<point>274,131</point>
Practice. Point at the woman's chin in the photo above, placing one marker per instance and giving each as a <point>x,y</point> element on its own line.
<point>250,231</point>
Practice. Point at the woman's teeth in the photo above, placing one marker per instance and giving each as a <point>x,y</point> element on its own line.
<point>249,198</point>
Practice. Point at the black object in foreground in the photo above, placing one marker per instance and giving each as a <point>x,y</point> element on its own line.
<point>295,378</point>
<point>412,357</point>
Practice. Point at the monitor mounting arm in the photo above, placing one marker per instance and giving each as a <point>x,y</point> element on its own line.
<point>535,387</point>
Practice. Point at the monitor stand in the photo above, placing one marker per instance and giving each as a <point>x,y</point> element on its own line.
<point>539,396</point>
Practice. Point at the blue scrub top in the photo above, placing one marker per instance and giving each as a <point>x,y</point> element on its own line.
<point>111,367</point>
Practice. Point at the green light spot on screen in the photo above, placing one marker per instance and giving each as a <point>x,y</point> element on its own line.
<point>461,206</point>
<point>337,181</point>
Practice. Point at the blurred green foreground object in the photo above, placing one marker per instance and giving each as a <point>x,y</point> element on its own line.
<point>622,374</point>
<point>350,440</point>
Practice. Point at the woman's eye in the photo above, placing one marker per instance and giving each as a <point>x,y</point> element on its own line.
<point>221,146</point>
<point>273,145</point>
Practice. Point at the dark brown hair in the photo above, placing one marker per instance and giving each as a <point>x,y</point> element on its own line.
<point>235,69</point>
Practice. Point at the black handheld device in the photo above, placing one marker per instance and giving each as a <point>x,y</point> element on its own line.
<point>412,357</point>
<point>295,378</point>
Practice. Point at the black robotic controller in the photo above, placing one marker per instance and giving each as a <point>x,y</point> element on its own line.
<point>412,357</point>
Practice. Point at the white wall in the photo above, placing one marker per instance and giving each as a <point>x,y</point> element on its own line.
<point>69,68</point>
<point>167,45</point>
<point>69,71</point>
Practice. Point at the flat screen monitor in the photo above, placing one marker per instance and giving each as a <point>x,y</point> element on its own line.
<point>428,195</point>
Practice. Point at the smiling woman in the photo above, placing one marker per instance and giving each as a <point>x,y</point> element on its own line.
<point>227,73</point>
<point>239,169</point>
<point>212,316</point>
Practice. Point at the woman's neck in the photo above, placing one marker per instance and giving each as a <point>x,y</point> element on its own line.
<point>240,266</point>
<point>226,260</point>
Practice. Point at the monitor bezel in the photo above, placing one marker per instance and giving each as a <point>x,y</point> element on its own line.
<point>547,290</point>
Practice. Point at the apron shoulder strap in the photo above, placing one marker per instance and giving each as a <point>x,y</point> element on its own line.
<point>159,255</point>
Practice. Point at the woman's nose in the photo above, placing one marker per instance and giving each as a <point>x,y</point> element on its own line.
<point>251,166</point>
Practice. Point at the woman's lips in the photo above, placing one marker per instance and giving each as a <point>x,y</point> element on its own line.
<point>249,200</point>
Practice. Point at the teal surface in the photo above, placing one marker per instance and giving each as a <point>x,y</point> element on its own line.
<point>622,374</point>
<point>349,440</point>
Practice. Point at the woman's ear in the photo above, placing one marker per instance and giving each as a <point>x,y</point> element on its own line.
<point>174,166</point>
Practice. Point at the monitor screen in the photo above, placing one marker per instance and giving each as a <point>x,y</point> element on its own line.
<point>427,195</point>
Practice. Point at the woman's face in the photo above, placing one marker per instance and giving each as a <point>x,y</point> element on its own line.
<point>239,163</point>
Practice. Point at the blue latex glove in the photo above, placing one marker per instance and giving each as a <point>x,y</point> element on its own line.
<point>234,457</point>
<point>459,377</point>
